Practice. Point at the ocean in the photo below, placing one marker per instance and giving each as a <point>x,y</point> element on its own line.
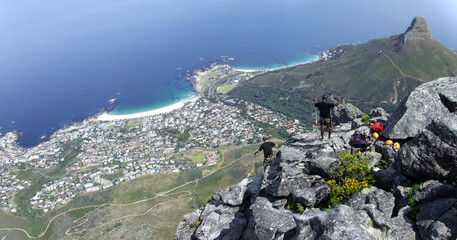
<point>61,61</point>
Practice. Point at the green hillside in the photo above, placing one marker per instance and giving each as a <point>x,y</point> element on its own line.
<point>380,72</point>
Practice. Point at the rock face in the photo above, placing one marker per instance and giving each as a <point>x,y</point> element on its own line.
<point>426,103</point>
<point>432,153</point>
<point>345,113</point>
<point>257,208</point>
<point>418,30</point>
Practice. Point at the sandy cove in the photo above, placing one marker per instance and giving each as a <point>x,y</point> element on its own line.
<point>170,108</point>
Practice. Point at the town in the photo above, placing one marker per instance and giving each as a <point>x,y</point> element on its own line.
<point>98,155</point>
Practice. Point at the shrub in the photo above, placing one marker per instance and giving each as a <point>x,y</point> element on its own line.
<point>351,175</point>
<point>365,119</point>
<point>294,206</point>
<point>415,207</point>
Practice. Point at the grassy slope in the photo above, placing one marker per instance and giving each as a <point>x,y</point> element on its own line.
<point>158,217</point>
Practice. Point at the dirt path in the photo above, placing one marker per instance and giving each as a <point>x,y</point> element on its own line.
<point>401,72</point>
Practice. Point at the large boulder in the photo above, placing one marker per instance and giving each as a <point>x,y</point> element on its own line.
<point>188,225</point>
<point>220,222</point>
<point>345,113</point>
<point>342,222</point>
<point>293,178</point>
<point>378,112</point>
<point>234,195</point>
<point>271,223</point>
<point>432,189</point>
<point>427,102</point>
<point>432,154</point>
<point>437,219</point>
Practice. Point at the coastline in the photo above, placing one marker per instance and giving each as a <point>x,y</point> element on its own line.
<point>317,58</point>
<point>196,80</point>
<point>170,108</point>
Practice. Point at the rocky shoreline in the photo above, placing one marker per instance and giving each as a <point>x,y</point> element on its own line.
<point>415,198</point>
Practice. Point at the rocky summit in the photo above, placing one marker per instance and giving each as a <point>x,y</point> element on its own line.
<point>414,197</point>
<point>418,30</point>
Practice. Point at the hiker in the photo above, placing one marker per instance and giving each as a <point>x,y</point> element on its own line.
<point>324,109</point>
<point>267,148</point>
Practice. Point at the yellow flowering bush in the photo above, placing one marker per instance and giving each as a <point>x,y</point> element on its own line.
<point>351,175</point>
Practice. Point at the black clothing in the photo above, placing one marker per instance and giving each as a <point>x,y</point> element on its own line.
<point>267,148</point>
<point>324,108</point>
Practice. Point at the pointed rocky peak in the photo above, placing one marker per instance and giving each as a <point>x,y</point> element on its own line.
<point>418,25</point>
<point>418,30</point>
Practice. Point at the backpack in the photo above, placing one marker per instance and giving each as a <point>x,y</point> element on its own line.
<point>377,127</point>
<point>358,141</point>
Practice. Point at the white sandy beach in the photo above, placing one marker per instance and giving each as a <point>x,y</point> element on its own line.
<point>196,78</point>
<point>108,117</point>
<point>273,69</point>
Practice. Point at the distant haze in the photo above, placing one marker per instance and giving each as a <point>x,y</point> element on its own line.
<point>60,61</point>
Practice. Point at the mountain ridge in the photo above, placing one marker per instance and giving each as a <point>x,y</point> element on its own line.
<point>391,66</point>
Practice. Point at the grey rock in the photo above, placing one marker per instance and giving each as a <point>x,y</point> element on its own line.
<point>345,113</point>
<point>356,123</point>
<point>249,232</point>
<point>378,204</point>
<point>209,208</point>
<point>437,219</point>
<point>254,185</point>
<point>292,154</point>
<point>417,31</point>
<point>374,157</point>
<point>402,226</point>
<point>309,145</point>
<point>432,154</point>
<point>378,112</point>
<point>233,195</point>
<point>402,196</point>
<point>391,178</point>
<point>312,196</point>
<point>293,178</point>
<point>321,165</point>
<point>432,190</point>
<point>271,223</point>
<point>221,223</point>
<point>422,106</point>
<point>387,151</point>
<point>188,225</point>
<point>342,222</point>
<point>364,130</point>
<point>382,120</point>
<point>279,204</point>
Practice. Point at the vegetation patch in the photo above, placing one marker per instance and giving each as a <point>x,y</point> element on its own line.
<point>198,157</point>
<point>133,124</point>
<point>113,177</point>
<point>415,207</point>
<point>294,206</point>
<point>225,89</point>
<point>365,119</point>
<point>351,175</point>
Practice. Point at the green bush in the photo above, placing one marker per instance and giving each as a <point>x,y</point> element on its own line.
<point>294,206</point>
<point>415,207</point>
<point>349,176</point>
<point>366,119</point>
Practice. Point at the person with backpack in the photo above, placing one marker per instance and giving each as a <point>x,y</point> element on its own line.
<point>267,148</point>
<point>324,110</point>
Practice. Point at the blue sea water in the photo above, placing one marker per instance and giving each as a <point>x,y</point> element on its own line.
<point>61,61</point>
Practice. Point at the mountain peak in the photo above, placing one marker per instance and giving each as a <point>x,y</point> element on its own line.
<point>418,30</point>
